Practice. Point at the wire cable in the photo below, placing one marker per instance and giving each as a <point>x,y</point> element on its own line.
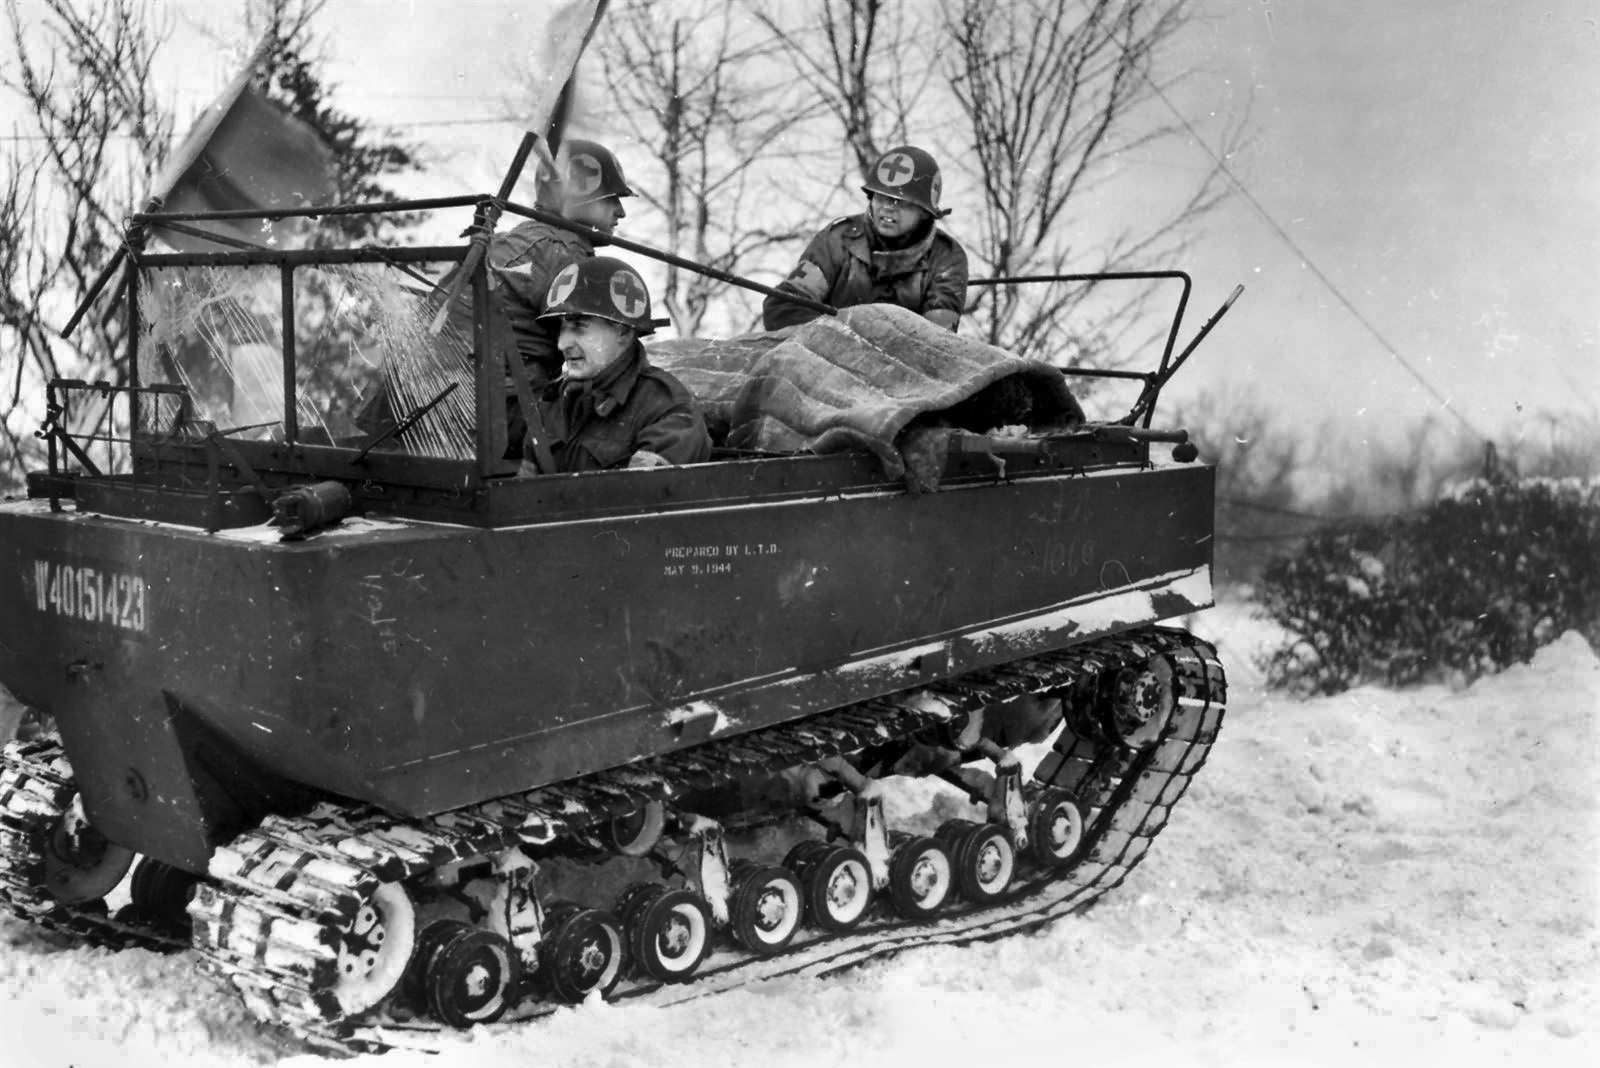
<point>1274,509</point>
<point>1294,246</point>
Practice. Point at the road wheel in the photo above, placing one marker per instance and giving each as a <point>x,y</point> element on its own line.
<point>669,931</point>
<point>985,861</point>
<point>838,886</point>
<point>160,894</point>
<point>583,952</point>
<point>921,878</point>
<point>1055,829</point>
<point>374,949</point>
<point>81,864</point>
<point>765,909</point>
<point>472,978</point>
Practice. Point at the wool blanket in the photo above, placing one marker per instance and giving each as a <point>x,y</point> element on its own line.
<point>860,381</point>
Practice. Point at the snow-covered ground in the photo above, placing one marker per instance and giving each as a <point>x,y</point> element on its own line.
<point>1373,878</point>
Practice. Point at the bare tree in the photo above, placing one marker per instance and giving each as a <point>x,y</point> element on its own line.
<point>1053,93</point>
<point>867,62</point>
<point>83,73</point>
<point>1049,95</point>
<point>706,103</point>
<point>364,157</point>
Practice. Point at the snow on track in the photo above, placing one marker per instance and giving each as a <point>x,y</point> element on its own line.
<point>1366,879</point>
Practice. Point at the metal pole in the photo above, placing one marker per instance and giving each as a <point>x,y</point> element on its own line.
<point>291,415</point>
<point>598,239</point>
<point>480,236</point>
<point>161,218</point>
<point>1148,397</point>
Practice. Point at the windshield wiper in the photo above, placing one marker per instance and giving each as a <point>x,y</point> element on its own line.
<point>405,424</point>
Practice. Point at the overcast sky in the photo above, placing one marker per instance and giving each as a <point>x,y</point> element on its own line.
<point>1438,161</point>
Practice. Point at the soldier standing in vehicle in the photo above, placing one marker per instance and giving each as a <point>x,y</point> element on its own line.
<point>524,260</point>
<point>892,253</point>
<point>610,408</point>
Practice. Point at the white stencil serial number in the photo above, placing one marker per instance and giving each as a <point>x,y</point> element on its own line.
<point>90,594</point>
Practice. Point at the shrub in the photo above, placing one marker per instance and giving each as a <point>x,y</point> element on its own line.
<point>1474,582</point>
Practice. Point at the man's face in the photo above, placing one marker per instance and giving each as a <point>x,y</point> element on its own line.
<point>891,217</point>
<point>590,344</point>
<point>602,214</point>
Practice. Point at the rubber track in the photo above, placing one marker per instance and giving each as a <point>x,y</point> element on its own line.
<point>269,918</point>
<point>36,787</point>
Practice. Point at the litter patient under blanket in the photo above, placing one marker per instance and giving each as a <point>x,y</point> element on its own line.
<point>877,377</point>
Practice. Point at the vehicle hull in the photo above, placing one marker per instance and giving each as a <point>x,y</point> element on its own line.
<point>423,666</point>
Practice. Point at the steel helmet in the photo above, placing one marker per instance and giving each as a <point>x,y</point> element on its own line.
<point>602,286</point>
<point>590,172</point>
<point>909,174</point>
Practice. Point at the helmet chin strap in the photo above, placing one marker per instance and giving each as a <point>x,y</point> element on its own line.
<point>907,240</point>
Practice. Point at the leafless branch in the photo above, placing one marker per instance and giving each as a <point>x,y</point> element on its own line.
<point>868,63</point>
<point>83,70</point>
<point>700,94</point>
<point>1055,97</point>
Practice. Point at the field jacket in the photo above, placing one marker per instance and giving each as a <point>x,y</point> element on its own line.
<point>632,406</point>
<point>522,263</point>
<point>840,267</point>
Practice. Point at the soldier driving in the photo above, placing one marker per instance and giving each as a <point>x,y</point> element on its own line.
<point>611,408</point>
<point>892,253</point>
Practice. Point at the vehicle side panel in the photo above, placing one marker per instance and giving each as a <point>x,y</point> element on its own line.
<point>427,666</point>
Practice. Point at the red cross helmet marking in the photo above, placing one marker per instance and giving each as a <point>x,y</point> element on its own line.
<point>583,173</point>
<point>629,294</point>
<point>896,169</point>
<point>562,287</point>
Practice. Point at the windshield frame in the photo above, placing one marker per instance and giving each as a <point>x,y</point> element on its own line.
<point>292,453</point>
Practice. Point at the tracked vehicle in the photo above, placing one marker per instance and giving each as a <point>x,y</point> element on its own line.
<point>396,738</point>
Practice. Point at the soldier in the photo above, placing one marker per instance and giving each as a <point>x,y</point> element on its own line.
<point>611,408</point>
<point>892,253</point>
<point>524,261</point>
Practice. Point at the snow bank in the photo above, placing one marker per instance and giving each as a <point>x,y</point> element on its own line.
<point>1367,879</point>
<point>1243,637</point>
